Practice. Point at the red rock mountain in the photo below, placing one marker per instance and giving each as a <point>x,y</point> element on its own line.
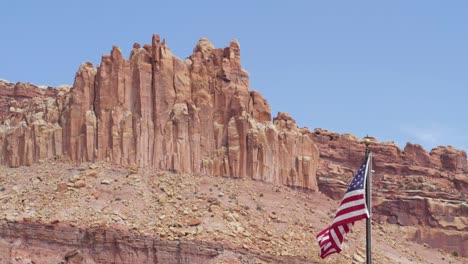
<point>199,116</point>
<point>196,115</point>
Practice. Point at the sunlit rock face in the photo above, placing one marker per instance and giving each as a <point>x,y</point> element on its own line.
<point>155,110</point>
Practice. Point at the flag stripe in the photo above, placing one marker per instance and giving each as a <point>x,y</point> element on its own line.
<point>357,195</point>
<point>350,216</point>
<point>352,193</point>
<point>352,208</point>
<point>324,241</point>
<point>335,238</point>
<point>328,245</point>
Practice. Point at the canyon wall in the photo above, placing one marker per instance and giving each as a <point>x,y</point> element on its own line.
<point>155,110</point>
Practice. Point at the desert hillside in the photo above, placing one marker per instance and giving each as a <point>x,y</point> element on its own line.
<point>102,213</point>
<point>157,158</point>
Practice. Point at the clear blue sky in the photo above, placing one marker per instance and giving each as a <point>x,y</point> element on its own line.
<point>396,70</point>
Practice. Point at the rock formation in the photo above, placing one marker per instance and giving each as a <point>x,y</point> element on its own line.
<point>155,110</point>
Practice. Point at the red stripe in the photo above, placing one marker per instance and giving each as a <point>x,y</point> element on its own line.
<point>334,244</point>
<point>344,232</point>
<point>325,252</point>
<point>338,234</point>
<point>323,242</point>
<point>351,209</point>
<point>346,228</point>
<point>352,198</point>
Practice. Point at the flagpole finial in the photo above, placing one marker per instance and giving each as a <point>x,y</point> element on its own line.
<point>367,140</point>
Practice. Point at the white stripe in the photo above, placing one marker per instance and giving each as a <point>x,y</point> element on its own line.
<point>350,214</point>
<point>335,238</point>
<point>350,204</point>
<point>323,238</point>
<point>342,231</point>
<point>326,246</point>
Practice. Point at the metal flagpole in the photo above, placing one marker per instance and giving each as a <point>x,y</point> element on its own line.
<point>367,141</point>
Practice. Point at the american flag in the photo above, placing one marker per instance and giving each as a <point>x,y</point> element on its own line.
<point>352,208</point>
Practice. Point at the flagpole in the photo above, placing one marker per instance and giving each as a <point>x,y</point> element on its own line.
<point>367,141</point>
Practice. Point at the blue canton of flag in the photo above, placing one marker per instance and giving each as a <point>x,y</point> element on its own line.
<point>358,180</point>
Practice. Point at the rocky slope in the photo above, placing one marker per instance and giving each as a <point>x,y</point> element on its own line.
<point>198,116</point>
<point>103,213</point>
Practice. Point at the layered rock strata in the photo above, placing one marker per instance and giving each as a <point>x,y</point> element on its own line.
<point>155,110</point>
<point>25,242</point>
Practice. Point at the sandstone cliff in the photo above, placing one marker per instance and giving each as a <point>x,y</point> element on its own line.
<point>155,110</point>
<point>30,123</point>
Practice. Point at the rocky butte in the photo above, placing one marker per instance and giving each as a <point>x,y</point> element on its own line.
<point>155,110</point>
<point>199,116</point>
